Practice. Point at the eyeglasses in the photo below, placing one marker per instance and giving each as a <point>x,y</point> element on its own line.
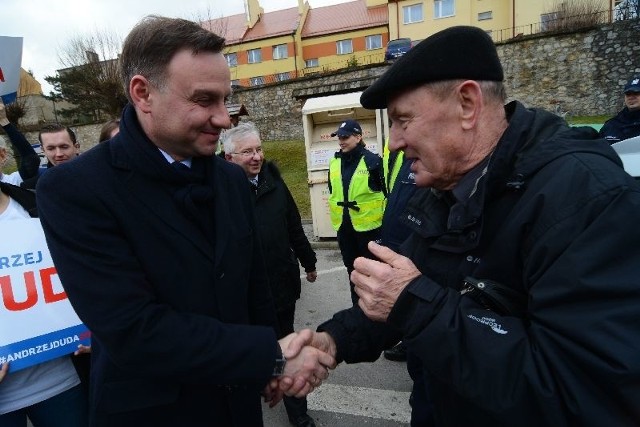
<point>250,153</point>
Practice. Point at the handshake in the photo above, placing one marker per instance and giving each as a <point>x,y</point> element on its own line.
<point>309,356</point>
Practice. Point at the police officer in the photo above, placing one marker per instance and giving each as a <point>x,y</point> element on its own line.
<point>357,199</point>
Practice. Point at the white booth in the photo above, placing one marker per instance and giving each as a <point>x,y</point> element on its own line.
<point>320,118</point>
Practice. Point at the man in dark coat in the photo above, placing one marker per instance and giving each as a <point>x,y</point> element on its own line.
<point>153,239</point>
<point>625,124</point>
<point>281,236</point>
<point>511,289</point>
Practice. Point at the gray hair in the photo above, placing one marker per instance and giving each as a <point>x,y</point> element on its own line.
<point>230,136</point>
<point>3,143</point>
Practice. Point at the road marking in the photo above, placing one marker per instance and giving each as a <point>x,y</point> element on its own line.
<point>331,270</point>
<point>361,401</point>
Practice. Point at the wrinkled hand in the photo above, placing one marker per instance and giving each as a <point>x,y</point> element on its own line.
<point>379,283</point>
<point>312,276</point>
<point>320,340</point>
<point>4,370</point>
<point>82,349</point>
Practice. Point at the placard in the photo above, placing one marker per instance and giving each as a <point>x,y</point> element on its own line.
<point>37,322</point>
<point>10,61</point>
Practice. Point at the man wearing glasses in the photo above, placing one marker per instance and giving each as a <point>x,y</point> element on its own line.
<point>281,236</point>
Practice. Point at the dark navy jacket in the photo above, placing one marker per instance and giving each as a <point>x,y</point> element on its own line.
<point>626,124</point>
<point>549,220</point>
<point>183,326</point>
<point>282,236</point>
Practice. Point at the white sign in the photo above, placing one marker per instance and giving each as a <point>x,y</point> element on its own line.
<point>37,322</point>
<point>10,61</point>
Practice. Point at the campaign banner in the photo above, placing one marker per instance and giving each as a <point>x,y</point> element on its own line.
<point>37,322</point>
<point>10,62</point>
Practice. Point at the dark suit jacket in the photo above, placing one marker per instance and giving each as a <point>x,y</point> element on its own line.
<point>174,316</point>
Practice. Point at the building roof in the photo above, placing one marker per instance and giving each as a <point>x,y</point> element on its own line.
<point>232,28</point>
<point>273,24</point>
<point>344,17</point>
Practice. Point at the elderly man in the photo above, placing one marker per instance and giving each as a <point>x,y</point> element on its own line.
<point>153,237</point>
<point>625,124</point>
<point>511,290</point>
<point>281,236</point>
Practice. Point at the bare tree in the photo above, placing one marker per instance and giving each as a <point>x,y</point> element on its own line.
<point>90,79</point>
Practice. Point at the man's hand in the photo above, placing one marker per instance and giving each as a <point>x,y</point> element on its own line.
<point>320,340</point>
<point>82,349</point>
<point>379,283</point>
<point>309,358</point>
<point>312,276</point>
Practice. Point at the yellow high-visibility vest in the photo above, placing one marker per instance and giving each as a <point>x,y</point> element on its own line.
<point>367,206</point>
<point>390,176</point>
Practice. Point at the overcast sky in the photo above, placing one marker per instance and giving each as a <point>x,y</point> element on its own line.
<point>48,25</point>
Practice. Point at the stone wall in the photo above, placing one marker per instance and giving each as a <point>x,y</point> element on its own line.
<point>578,74</point>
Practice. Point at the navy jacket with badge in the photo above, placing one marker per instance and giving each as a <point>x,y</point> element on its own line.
<point>555,218</point>
<point>166,272</point>
<point>625,124</point>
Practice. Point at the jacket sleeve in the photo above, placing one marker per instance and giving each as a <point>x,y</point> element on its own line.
<point>29,160</point>
<point>297,238</point>
<point>575,353</point>
<point>357,338</point>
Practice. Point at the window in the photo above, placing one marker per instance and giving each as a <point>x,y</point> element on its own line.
<point>412,14</point>
<point>313,62</point>
<point>235,83</point>
<point>483,16</point>
<point>548,21</point>
<point>232,59</point>
<point>280,51</point>
<point>344,47</point>
<point>254,56</point>
<point>443,8</point>
<point>280,77</point>
<point>256,81</point>
<point>373,42</point>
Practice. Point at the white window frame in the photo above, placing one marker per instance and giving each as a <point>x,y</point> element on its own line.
<point>344,47</point>
<point>256,81</point>
<point>280,77</point>
<point>254,56</point>
<point>280,51</point>
<point>439,5</point>
<point>485,16</point>
<point>312,62</point>
<point>373,42</point>
<point>232,59</point>
<point>412,13</point>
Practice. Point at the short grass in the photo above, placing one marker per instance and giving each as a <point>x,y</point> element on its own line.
<point>290,156</point>
<point>587,120</point>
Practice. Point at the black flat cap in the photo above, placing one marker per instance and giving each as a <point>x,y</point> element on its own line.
<point>460,52</point>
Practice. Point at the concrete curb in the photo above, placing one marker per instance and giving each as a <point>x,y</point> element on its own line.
<point>324,244</point>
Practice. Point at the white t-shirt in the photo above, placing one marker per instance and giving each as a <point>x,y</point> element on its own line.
<point>40,382</point>
<point>12,178</point>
